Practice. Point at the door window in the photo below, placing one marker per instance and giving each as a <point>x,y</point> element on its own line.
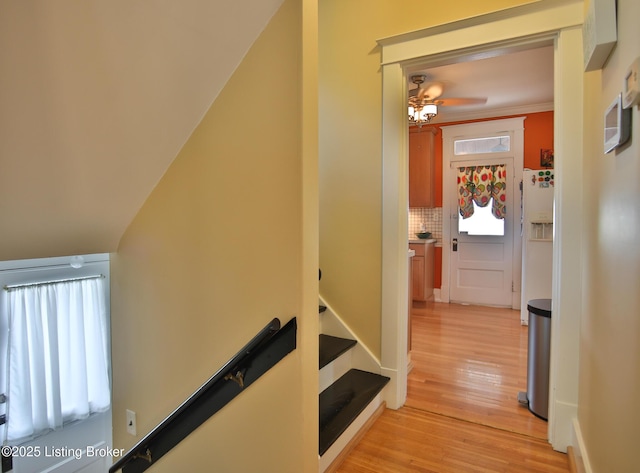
<point>482,222</point>
<point>482,199</point>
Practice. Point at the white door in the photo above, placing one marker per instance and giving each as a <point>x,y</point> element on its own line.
<point>481,263</point>
<point>481,249</point>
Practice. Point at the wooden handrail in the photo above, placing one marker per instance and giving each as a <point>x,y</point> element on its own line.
<point>266,349</point>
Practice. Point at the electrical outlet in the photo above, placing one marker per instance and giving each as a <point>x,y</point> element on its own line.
<point>131,422</point>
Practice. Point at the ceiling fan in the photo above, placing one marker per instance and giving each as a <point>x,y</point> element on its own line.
<point>424,100</point>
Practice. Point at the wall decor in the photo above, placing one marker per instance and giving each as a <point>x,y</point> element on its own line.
<point>546,158</point>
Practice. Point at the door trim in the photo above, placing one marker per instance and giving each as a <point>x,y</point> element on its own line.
<point>515,127</point>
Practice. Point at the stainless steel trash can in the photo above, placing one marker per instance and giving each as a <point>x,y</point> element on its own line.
<point>538,356</point>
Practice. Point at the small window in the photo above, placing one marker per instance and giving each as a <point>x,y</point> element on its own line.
<point>58,355</point>
<point>482,222</point>
<point>495,144</point>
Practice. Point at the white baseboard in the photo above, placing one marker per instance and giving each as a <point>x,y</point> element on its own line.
<point>579,447</point>
<point>441,294</point>
<point>560,426</point>
<point>395,392</point>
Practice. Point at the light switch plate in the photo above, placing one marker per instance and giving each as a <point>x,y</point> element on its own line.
<point>131,422</point>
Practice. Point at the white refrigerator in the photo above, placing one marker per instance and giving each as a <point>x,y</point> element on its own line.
<point>537,237</point>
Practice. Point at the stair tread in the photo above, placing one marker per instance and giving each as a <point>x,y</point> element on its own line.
<point>343,401</point>
<point>332,347</point>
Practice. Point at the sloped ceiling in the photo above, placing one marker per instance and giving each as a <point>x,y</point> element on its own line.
<point>96,100</point>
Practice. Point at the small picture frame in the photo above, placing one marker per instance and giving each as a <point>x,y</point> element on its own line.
<point>546,158</point>
<point>616,125</point>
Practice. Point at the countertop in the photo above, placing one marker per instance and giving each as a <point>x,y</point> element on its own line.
<point>423,241</point>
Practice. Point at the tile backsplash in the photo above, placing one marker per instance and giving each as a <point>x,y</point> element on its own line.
<point>432,219</point>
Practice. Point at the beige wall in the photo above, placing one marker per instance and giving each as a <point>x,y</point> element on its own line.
<point>219,248</point>
<point>609,416</point>
<point>350,145</point>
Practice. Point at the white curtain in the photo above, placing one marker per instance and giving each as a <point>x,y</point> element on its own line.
<point>58,356</point>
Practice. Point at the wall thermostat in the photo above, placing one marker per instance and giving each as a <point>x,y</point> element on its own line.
<point>630,88</point>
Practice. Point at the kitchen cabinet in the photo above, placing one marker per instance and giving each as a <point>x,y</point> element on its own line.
<point>422,270</point>
<point>421,167</point>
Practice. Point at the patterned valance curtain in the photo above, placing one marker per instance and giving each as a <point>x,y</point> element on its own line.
<point>482,184</point>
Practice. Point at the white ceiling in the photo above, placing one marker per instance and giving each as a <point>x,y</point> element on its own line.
<point>516,82</point>
<point>96,100</point>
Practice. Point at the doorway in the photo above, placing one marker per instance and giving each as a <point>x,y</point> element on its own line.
<point>520,27</point>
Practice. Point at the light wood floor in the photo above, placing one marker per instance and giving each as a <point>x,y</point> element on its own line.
<point>470,362</point>
<point>462,413</point>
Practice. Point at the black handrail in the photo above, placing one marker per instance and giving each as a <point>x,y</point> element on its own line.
<point>266,349</point>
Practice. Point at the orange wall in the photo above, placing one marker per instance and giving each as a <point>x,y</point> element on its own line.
<point>538,134</point>
<point>437,267</point>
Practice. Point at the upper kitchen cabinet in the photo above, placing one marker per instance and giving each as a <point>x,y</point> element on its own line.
<point>421,167</point>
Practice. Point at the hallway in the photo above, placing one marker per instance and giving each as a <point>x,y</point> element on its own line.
<point>462,413</point>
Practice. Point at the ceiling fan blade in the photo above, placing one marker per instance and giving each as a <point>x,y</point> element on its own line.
<point>429,91</point>
<point>452,102</point>
<point>432,90</point>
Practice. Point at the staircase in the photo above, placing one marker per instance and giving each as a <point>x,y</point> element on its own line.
<point>350,390</point>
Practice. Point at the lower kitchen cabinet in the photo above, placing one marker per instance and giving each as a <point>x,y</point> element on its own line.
<point>422,270</point>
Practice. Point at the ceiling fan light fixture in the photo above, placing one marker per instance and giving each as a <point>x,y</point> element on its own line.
<point>421,106</point>
<point>421,114</point>
<point>424,99</point>
<point>430,110</point>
